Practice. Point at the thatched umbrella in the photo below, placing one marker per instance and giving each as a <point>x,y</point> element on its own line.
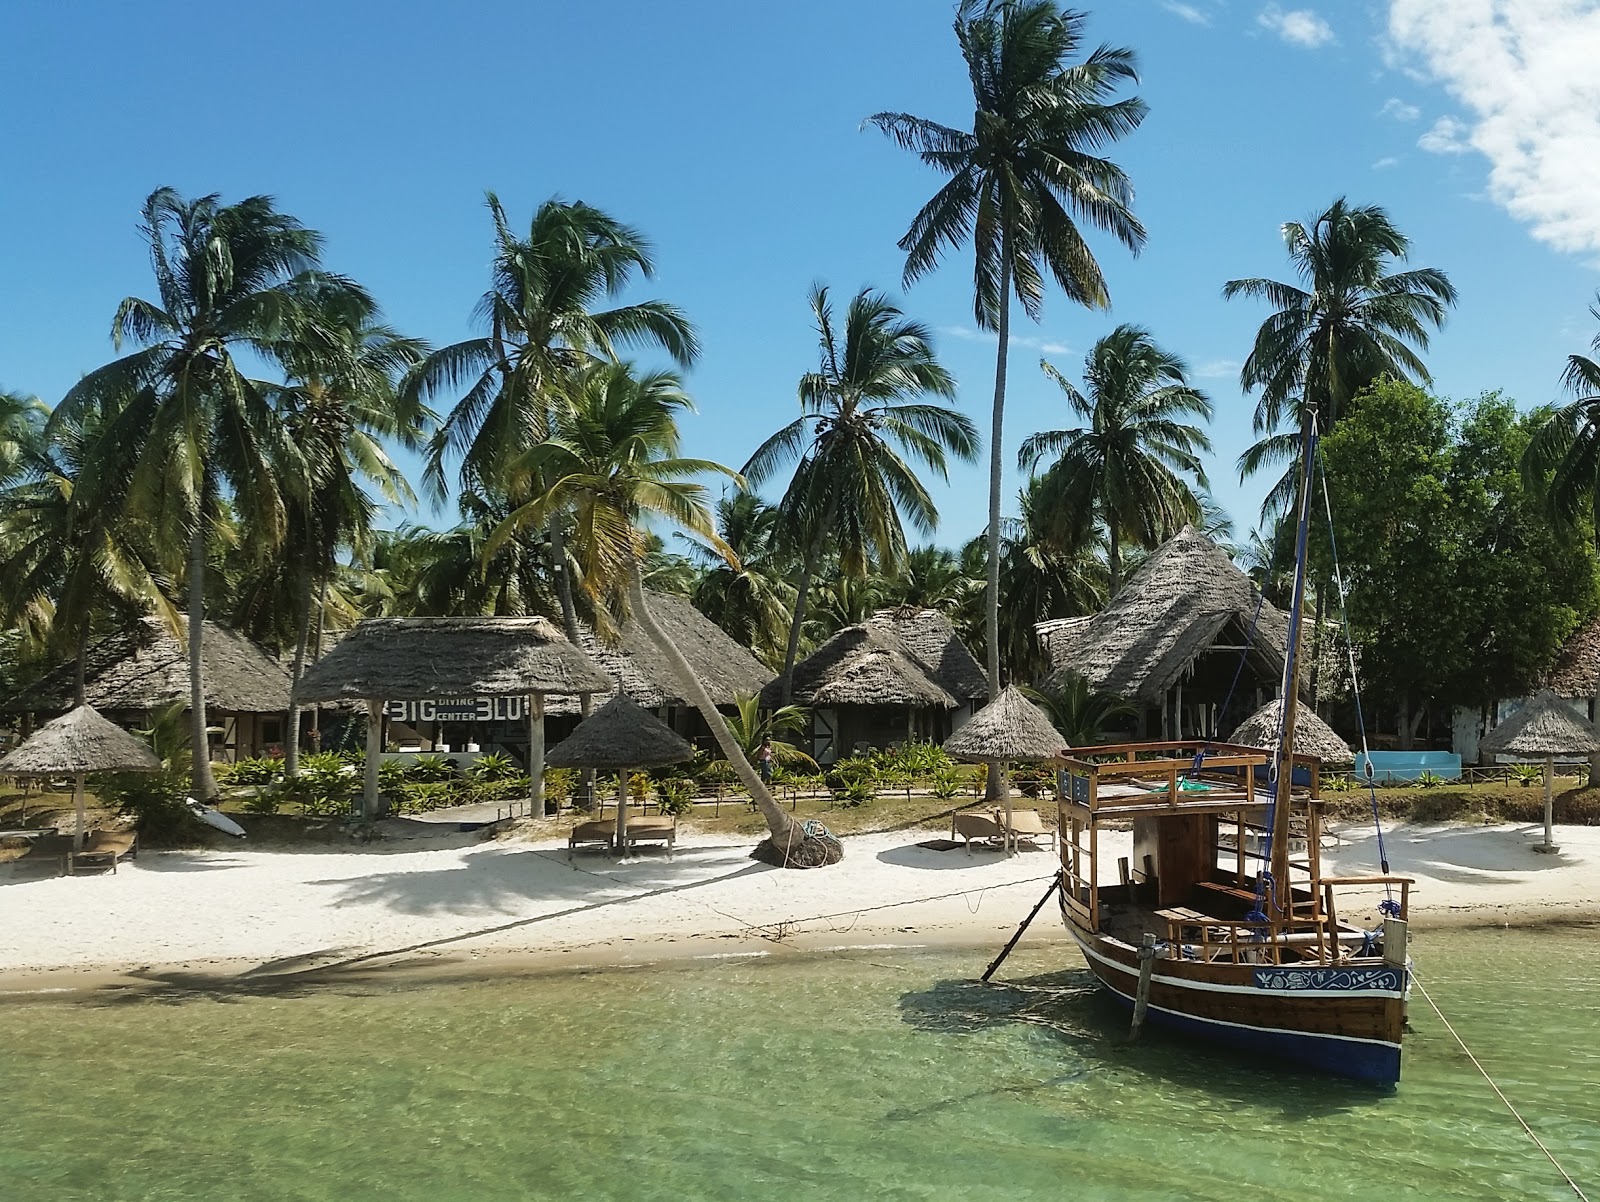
<point>79,742</point>
<point>1546,727</point>
<point>420,659</point>
<point>621,736</point>
<point>1312,736</point>
<point>1009,728</point>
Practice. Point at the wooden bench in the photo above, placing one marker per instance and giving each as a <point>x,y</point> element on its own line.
<point>593,833</point>
<point>104,848</point>
<point>1180,917</point>
<point>653,830</point>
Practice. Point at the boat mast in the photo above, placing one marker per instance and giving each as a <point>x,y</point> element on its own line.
<point>1291,676</point>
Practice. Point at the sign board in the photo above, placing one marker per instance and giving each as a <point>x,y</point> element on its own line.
<point>459,709</point>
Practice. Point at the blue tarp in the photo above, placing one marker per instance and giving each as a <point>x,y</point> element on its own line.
<point>1389,766</point>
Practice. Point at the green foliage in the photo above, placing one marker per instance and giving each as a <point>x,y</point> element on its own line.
<point>392,775</point>
<point>155,801</point>
<point>1527,774</point>
<point>429,769</point>
<point>1033,781</point>
<point>261,771</point>
<point>1337,782</point>
<point>1429,780</point>
<point>675,795</point>
<point>559,784</point>
<point>913,761</point>
<point>1077,711</point>
<point>947,783</point>
<point>492,767</point>
<point>265,801</point>
<point>849,770</point>
<point>857,791</point>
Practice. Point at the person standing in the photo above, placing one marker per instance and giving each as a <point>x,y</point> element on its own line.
<point>764,761</point>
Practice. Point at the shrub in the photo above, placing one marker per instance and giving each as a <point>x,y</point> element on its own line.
<point>848,771</point>
<point>857,792</point>
<point>675,795</point>
<point>419,797</point>
<point>639,787</point>
<point>559,784</point>
<point>947,782</point>
<point>430,769</point>
<point>261,771</point>
<point>155,802</point>
<point>495,766</point>
<point>264,801</point>
<point>1527,774</point>
<point>391,776</point>
<point>1337,782</point>
<point>1032,781</point>
<point>1429,780</point>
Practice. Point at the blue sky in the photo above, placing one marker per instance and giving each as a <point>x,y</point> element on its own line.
<point>731,134</point>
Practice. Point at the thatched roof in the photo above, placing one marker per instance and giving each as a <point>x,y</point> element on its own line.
<point>1312,736</point>
<point>79,741</point>
<point>898,657</point>
<point>1183,599</point>
<point>620,734</point>
<point>1008,729</point>
<point>144,667</point>
<point>1577,668</point>
<point>1547,725</point>
<point>416,659</point>
<point>722,665</point>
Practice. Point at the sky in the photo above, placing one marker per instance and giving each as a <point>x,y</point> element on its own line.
<point>731,134</point>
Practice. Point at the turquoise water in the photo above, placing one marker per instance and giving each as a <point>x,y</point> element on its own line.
<point>855,1075</point>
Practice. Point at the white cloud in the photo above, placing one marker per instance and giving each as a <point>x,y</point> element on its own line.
<point>1524,72</point>
<point>1188,12</point>
<point>1447,136</point>
<point>1300,26</point>
<point>1399,110</point>
<point>1218,369</point>
<point>1027,342</point>
<point>1387,161</point>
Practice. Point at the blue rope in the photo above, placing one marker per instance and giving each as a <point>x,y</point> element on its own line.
<point>1388,906</point>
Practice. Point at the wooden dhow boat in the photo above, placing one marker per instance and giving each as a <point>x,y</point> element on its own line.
<point>1221,924</point>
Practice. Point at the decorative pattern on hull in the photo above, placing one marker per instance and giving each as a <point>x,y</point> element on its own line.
<point>1388,980</point>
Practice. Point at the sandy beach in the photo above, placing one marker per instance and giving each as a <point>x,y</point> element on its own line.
<point>448,899</point>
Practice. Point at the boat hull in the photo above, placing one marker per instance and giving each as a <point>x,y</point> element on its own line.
<point>1345,1020</point>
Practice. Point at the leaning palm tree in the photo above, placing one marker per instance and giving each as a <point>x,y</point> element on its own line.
<point>1563,456</point>
<point>192,433</point>
<point>612,461</point>
<point>1021,179</point>
<point>1350,319</point>
<point>1131,464</point>
<point>852,490</point>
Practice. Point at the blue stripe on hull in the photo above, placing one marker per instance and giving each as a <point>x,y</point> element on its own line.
<point>1378,1063</point>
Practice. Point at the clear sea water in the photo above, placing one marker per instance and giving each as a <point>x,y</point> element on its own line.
<point>852,1075</point>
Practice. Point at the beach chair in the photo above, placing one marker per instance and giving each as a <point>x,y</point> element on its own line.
<point>1026,824</point>
<point>977,826</point>
<point>593,833</point>
<point>653,830</point>
<point>102,849</point>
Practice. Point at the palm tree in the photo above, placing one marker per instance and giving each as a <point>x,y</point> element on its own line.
<point>22,421</point>
<point>1563,456</point>
<point>1078,711</point>
<point>1021,179</point>
<point>1127,465</point>
<point>1350,320</point>
<point>752,726</point>
<point>852,489</point>
<point>541,325</point>
<point>612,461</point>
<point>191,430</point>
<point>930,578</point>
<point>341,405</point>
<point>751,603</point>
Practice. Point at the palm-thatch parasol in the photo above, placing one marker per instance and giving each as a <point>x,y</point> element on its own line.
<point>1009,728</point>
<point>77,743</point>
<point>417,659</point>
<point>1312,736</point>
<point>621,736</point>
<point>1546,727</point>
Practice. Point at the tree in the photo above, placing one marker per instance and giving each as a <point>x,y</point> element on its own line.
<point>1020,180</point>
<point>191,431</point>
<point>1563,457</point>
<point>612,461</point>
<point>1078,711</point>
<point>860,415</point>
<point>752,726</point>
<point>22,439</point>
<point>1128,465</point>
<point>752,603</point>
<point>930,578</point>
<point>1351,320</point>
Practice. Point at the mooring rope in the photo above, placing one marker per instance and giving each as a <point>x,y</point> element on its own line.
<point>1499,1093</point>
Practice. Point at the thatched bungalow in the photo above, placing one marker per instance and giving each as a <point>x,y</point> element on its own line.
<point>1171,640</point>
<point>901,675</point>
<point>131,674</point>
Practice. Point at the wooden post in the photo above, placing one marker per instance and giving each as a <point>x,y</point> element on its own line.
<point>1394,941</point>
<point>78,806</point>
<point>622,810</point>
<point>369,791</point>
<point>1177,719</point>
<point>1549,845</point>
<point>536,755</point>
<point>1147,964</point>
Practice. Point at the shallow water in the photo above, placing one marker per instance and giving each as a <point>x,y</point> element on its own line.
<point>862,1074</point>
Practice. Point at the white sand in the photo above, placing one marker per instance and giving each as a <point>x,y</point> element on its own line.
<point>239,910</point>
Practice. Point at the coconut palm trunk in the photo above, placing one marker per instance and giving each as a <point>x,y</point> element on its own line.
<point>792,653</point>
<point>203,783</point>
<point>787,835</point>
<point>291,749</point>
<point>996,446</point>
<point>584,800</point>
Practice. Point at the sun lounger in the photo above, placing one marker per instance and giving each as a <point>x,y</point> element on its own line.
<point>593,833</point>
<point>1026,824</point>
<point>977,826</point>
<point>653,830</point>
<point>103,848</point>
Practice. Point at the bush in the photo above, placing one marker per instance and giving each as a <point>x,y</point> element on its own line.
<point>1429,780</point>
<point>261,771</point>
<point>430,769</point>
<point>155,802</point>
<point>947,783</point>
<point>495,766</point>
<point>421,796</point>
<point>559,784</point>
<point>848,771</point>
<point>675,795</point>
<point>1033,782</point>
<point>916,761</point>
<point>856,792</point>
<point>1527,774</point>
<point>264,801</point>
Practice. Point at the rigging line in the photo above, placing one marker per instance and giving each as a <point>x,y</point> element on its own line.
<point>1238,671</point>
<point>910,901</point>
<point>1539,1143</point>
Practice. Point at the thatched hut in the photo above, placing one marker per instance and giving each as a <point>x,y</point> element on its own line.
<point>75,744</point>
<point>622,737</point>
<point>130,674</point>
<point>1171,640</point>
<point>415,660</point>
<point>1312,736</point>
<point>1543,729</point>
<point>902,675</point>
<point>1007,730</point>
